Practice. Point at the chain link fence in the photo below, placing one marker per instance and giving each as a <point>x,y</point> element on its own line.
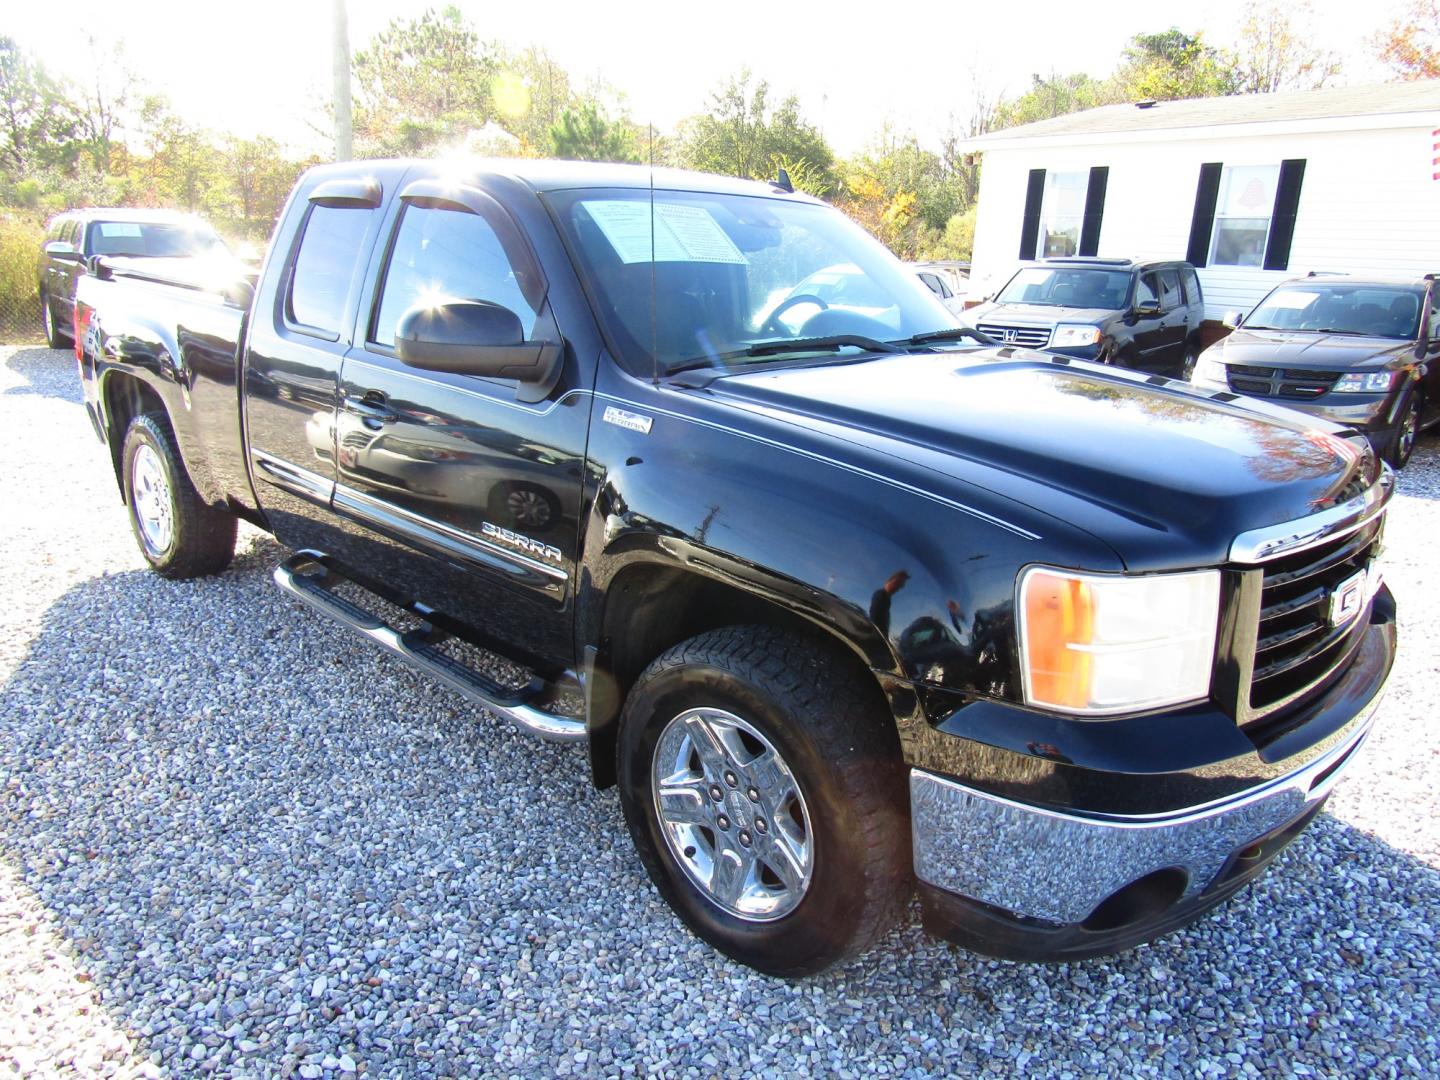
<point>21,233</point>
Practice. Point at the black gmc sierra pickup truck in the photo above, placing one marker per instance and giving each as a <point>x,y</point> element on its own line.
<point>846,598</point>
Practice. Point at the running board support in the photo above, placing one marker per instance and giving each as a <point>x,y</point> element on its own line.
<point>308,577</point>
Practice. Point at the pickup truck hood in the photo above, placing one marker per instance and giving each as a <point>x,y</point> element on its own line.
<point>1164,475</point>
<point>1309,349</point>
<point>1037,314</point>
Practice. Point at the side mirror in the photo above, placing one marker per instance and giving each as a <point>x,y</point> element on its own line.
<point>1232,320</point>
<point>473,337</point>
<point>239,293</point>
<point>63,250</point>
<point>1147,309</point>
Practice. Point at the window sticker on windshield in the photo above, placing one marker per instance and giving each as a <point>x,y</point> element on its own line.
<point>682,233</point>
<point>119,228</point>
<point>1293,298</point>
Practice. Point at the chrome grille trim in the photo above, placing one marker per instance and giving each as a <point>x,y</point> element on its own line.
<point>1028,337</point>
<point>1273,541</point>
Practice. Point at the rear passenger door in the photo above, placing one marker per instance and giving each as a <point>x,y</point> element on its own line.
<point>299,333</point>
<point>465,495</point>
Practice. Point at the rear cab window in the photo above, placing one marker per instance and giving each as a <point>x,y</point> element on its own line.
<point>326,265</point>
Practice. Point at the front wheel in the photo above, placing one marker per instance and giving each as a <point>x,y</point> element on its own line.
<point>764,790</point>
<point>1406,432</point>
<point>178,533</point>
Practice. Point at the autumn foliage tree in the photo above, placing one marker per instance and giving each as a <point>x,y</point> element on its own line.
<point>1410,45</point>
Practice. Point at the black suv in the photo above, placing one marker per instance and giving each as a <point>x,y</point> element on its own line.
<point>72,237</point>
<point>1142,315</point>
<point>1358,351</point>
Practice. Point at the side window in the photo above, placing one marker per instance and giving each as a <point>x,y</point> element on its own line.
<point>71,231</point>
<point>945,291</point>
<point>1170,298</point>
<point>1193,295</point>
<point>325,265</point>
<point>1434,323</point>
<point>442,254</point>
<point>1147,289</point>
<point>933,283</point>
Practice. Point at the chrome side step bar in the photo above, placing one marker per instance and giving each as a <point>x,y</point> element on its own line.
<point>307,577</point>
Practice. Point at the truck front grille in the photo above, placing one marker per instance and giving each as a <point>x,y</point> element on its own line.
<point>1297,650</point>
<point>1293,383</point>
<point>1031,337</point>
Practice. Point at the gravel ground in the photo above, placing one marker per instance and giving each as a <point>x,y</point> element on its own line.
<point>233,841</point>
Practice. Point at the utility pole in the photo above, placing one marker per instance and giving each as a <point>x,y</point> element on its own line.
<point>344,141</point>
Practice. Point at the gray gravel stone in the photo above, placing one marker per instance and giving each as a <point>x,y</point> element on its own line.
<point>234,841</point>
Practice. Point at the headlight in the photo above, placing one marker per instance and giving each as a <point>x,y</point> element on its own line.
<point>1371,382</point>
<point>1209,372</point>
<point>1098,645</point>
<point>1067,336</point>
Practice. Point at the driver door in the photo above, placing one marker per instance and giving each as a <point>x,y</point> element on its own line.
<point>464,498</point>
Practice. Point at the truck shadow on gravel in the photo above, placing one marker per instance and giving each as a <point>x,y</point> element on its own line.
<point>268,845</point>
<point>47,372</point>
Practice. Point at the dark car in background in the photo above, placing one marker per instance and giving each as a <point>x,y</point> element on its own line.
<point>1363,352</point>
<point>1143,315</point>
<point>74,236</point>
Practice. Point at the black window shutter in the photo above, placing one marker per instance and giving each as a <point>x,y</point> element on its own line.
<point>1094,210</point>
<point>1282,223</point>
<point>1203,223</point>
<point>1030,228</point>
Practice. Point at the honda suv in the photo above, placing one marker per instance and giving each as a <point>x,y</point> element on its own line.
<point>1144,315</point>
<point>1363,352</point>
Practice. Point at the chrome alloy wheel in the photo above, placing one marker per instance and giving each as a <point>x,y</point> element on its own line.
<point>732,814</point>
<point>1409,430</point>
<point>47,317</point>
<point>150,498</point>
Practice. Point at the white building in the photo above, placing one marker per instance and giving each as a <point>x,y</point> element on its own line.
<point>1252,190</point>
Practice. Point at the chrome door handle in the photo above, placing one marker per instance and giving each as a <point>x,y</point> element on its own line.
<point>371,408</point>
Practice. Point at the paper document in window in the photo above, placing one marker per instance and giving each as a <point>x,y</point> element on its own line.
<point>118,228</point>
<point>682,233</point>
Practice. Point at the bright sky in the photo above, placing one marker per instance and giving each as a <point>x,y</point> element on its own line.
<point>264,65</point>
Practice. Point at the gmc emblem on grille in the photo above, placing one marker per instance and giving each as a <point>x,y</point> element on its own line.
<point>1347,599</point>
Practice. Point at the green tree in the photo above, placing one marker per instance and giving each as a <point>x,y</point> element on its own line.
<point>585,134</point>
<point>904,194</point>
<point>37,120</point>
<point>1172,64</point>
<point>1055,95</point>
<point>741,134</point>
<point>421,83</point>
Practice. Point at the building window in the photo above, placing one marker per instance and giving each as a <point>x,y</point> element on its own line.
<point>1062,213</point>
<point>1243,211</point>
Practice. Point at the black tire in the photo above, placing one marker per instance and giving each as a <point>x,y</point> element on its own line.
<point>201,538</point>
<point>1406,432</point>
<point>839,743</point>
<point>55,337</point>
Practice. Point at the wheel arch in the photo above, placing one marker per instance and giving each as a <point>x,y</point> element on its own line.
<point>652,604</point>
<point>123,397</point>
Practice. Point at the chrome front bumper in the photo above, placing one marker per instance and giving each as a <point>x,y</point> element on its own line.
<point>1059,867</point>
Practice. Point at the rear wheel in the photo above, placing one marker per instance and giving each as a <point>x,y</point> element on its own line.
<point>1406,432</point>
<point>55,337</point>
<point>178,533</point>
<point>1187,362</point>
<point>764,791</point>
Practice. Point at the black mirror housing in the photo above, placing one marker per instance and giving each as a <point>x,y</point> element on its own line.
<point>474,337</point>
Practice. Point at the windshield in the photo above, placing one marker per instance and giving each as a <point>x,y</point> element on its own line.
<point>1372,310</point>
<point>1057,287</point>
<point>721,274</point>
<point>164,239</point>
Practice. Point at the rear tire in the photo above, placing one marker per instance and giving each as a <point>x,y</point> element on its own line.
<point>1406,432</point>
<point>55,337</point>
<point>178,533</point>
<point>811,820</point>
<point>1187,362</point>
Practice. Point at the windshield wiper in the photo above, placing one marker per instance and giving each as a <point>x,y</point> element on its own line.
<point>954,333</point>
<point>828,343</point>
<point>831,343</point>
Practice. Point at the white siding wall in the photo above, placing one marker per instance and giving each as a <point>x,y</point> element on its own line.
<point>1367,204</point>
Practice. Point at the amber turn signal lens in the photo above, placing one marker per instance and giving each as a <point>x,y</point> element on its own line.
<point>1059,613</point>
